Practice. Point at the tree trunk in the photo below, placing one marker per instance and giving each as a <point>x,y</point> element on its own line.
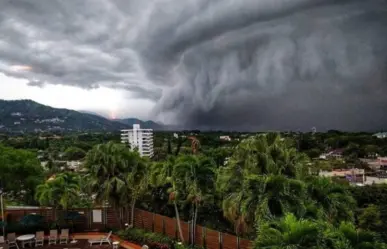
<point>132,207</point>
<point>194,223</point>
<point>178,222</point>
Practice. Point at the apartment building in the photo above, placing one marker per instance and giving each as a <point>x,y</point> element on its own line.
<point>140,139</point>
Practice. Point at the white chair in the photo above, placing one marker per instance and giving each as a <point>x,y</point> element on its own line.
<point>53,237</point>
<point>39,239</point>
<point>101,240</point>
<point>11,240</point>
<point>64,236</point>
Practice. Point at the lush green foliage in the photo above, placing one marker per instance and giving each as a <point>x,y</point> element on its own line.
<point>190,181</point>
<point>290,232</point>
<point>266,178</point>
<point>74,153</point>
<point>115,175</point>
<point>144,237</point>
<point>20,173</point>
<point>372,202</point>
<point>61,191</point>
<point>264,187</point>
<point>370,219</point>
<point>153,240</point>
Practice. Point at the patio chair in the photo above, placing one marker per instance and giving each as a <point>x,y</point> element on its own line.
<point>64,236</point>
<point>2,241</point>
<point>52,239</point>
<point>101,240</point>
<point>11,240</point>
<point>39,239</point>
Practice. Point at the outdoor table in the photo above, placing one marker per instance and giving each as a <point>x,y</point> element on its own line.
<point>73,241</point>
<point>116,244</point>
<point>24,239</point>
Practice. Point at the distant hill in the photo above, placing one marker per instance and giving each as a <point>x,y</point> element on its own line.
<point>143,124</point>
<point>30,116</point>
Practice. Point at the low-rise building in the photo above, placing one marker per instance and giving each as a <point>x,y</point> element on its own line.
<point>69,165</point>
<point>380,135</point>
<point>343,173</point>
<point>225,138</point>
<point>356,176</point>
<point>337,153</point>
<point>379,163</point>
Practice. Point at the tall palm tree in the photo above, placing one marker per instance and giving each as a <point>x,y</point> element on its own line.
<point>107,167</point>
<point>136,181</point>
<point>165,174</point>
<point>190,180</point>
<point>198,175</point>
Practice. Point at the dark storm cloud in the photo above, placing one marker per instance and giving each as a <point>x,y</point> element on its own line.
<point>277,65</point>
<point>80,43</point>
<point>248,64</point>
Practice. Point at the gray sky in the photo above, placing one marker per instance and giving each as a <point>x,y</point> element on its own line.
<point>248,64</point>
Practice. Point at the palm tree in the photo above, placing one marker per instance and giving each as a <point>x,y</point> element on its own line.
<point>289,232</point>
<point>198,181</point>
<point>262,180</point>
<point>190,179</point>
<point>165,174</point>
<point>272,196</point>
<point>107,166</point>
<point>61,191</point>
<point>136,181</point>
<point>346,236</point>
<point>334,200</point>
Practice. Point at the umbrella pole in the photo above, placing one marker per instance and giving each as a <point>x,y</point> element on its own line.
<point>2,212</point>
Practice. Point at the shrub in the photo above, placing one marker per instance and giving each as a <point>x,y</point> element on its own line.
<point>153,240</point>
<point>139,236</point>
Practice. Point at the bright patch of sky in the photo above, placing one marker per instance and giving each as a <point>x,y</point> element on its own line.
<point>111,103</point>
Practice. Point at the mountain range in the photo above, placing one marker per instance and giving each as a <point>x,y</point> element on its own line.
<point>30,116</point>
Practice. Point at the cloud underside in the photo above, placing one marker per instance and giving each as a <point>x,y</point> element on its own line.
<point>251,64</point>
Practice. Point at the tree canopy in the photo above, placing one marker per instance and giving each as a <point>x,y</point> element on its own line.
<point>20,173</point>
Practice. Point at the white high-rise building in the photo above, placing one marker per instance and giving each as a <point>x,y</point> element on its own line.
<point>142,139</point>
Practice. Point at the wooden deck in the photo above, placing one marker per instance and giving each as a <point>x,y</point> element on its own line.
<point>95,235</point>
<point>82,243</point>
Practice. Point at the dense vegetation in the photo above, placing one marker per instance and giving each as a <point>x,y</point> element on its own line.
<point>259,187</point>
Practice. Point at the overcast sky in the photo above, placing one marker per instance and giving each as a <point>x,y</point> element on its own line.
<point>247,64</point>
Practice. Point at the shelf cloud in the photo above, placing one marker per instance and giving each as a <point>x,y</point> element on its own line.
<point>212,64</point>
